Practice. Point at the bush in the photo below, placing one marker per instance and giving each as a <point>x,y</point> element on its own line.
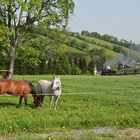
<point>76,71</point>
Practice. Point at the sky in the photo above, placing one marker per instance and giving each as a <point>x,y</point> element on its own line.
<point>119,18</point>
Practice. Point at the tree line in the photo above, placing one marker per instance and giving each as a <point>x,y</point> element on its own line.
<point>108,38</point>
<point>42,52</point>
<point>32,36</point>
<point>65,63</point>
<point>84,46</point>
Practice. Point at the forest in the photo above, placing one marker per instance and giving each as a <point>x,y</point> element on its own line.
<point>55,51</point>
<point>34,40</point>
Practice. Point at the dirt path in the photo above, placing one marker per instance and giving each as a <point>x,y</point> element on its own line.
<point>103,132</point>
<point>99,133</point>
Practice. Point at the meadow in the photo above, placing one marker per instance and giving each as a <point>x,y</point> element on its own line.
<point>87,102</point>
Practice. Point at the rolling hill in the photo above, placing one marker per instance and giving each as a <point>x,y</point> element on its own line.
<point>111,50</point>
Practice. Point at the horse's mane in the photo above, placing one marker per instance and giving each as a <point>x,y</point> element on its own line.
<point>34,91</point>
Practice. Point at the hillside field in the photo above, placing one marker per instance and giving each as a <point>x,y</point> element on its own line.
<point>96,43</point>
<point>87,102</point>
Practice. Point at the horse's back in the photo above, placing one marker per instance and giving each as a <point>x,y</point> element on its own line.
<point>24,86</point>
<point>44,83</point>
<point>13,86</point>
<point>44,87</point>
<point>4,83</point>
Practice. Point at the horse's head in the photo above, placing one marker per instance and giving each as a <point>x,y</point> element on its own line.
<point>56,83</point>
<point>37,101</point>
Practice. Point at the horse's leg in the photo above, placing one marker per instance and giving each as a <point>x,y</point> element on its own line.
<point>20,99</point>
<point>42,99</point>
<point>1,92</point>
<point>25,98</point>
<point>51,100</point>
<point>56,101</point>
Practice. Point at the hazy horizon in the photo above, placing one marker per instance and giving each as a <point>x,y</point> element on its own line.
<point>118,18</point>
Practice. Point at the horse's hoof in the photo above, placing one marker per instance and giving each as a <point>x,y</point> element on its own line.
<point>19,106</point>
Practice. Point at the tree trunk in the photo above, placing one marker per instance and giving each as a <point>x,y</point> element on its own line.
<point>12,56</point>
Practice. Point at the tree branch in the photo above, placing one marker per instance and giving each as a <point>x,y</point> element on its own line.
<point>9,16</point>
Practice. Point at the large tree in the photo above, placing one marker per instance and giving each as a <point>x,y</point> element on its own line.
<point>18,16</point>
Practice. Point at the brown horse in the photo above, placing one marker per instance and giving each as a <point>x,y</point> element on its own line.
<point>21,88</point>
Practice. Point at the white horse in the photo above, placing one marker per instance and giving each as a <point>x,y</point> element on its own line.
<point>49,88</point>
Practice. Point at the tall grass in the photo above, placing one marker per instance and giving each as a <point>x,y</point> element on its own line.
<point>86,102</point>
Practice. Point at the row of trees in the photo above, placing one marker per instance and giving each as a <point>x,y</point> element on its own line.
<point>115,47</point>
<point>78,45</point>
<point>42,52</point>
<point>32,62</point>
<point>108,38</point>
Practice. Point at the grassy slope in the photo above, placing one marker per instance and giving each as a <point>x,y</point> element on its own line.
<point>108,51</point>
<point>133,52</point>
<point>86,102</point>
<point>102,42</point>
<point>74,50</point>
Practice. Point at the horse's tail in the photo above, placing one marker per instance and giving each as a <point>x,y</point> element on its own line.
<point>33,89</point>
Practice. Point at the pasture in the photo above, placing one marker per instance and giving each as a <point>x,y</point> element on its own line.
<point>87,102</point>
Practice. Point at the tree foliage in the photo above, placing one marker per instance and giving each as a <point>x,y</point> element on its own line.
<point>108,38</point>
<point>17,16</point>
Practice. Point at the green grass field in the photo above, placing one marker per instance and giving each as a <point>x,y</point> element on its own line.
<point>108,52</point>
<point>101,44</point>
<point>87,102</point>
